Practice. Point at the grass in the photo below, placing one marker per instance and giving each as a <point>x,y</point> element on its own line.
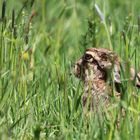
<point>39,41</point>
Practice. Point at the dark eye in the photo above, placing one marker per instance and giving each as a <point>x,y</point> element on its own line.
<point>104,57</point>
<point>87,57</point>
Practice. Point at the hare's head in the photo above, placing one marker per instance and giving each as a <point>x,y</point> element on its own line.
<point>95,64</point>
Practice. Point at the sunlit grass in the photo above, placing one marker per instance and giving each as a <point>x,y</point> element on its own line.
<point>39,42</point>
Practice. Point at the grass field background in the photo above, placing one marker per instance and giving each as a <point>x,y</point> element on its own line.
<point>39,42</point>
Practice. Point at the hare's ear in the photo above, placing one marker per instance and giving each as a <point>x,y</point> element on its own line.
<point>117,77</point>
<point>135,77</point>
<point>138,80</point>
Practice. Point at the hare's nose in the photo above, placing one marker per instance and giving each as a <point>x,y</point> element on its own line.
<point>74,68</point>
<point>79,62</point>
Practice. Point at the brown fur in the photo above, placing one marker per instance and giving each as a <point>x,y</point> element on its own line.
<point>99,68</point>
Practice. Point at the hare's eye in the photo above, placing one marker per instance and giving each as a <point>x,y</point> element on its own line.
<point>104,57</point>
<point>87,57</point>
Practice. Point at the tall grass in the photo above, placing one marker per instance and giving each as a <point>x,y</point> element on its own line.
<point>39,42</point>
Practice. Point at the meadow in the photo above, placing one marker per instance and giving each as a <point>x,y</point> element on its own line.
<point>40,41</point>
